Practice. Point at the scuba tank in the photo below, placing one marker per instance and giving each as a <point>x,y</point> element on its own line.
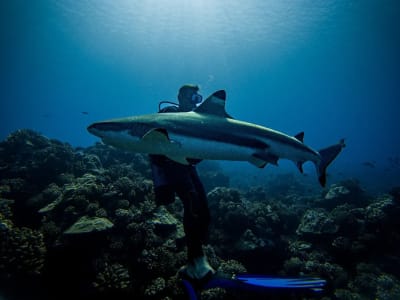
<point>166,102</point>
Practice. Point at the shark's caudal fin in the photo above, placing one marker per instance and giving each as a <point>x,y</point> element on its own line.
<point>327,156</point>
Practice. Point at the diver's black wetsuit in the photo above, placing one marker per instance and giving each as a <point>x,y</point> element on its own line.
<point>172,178</point>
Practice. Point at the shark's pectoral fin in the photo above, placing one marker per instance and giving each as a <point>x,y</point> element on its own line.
<point>156,135</point>
<point>179,159</point>
<point>259,163</point>
<point>266,157</point>
<point>160,136</point>
<point>299,165</point>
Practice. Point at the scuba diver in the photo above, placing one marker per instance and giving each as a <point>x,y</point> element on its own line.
<point>171,178</point>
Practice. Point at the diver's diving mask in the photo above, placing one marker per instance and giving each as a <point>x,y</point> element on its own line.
<point>196,98</point>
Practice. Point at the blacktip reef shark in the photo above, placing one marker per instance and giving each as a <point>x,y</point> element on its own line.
<point>208,132</point>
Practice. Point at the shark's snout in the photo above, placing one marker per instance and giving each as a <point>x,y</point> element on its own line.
<point>102,129</point>
<point>91,128</point>
<point>95,129</point>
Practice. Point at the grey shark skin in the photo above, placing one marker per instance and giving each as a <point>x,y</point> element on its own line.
<point>209,132</point>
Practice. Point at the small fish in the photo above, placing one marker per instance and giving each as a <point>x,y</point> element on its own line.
<point>84,113</point>
<point>369,164</point>
<point>394,161</point>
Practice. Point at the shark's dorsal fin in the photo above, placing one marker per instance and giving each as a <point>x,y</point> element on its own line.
<point>214,105</point>
<point>300,137</point>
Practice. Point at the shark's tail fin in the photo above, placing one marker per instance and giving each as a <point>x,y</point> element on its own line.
<point>327,156</point>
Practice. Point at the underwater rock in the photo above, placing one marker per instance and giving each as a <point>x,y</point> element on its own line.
<point>123,216</point>
<point>381,210</point>
<point>155,287</point>
<point>248,242</point>
<point>74,199</point>
<point>143,190</point>
<point>34,157</point>
<point>120,161</point>
<point>293,265</point>
<point>5,208</point>
<point>49,198</point>
<point>51,232</point>
<point>265,217</point>
<point>22,250</point>
<point>223,193</point>
<point>51,206</point>
<point>88,186</point>
<point>336,273</point>
<point>123,204</point>
<point>92,208</point>
<point>164,222</point>
<point>350,221</point>
<point>343,294</point>
<point>87,225</point>
<point>342,244</point>
<point>112,276</point>
<point>336,191</point>
<point>256,194</point>
<point>101,213</point>
<point>5,224</point>
<point>316,222</point>
<point>87,163</point>
<point>125,187</point>
<point>161,261</point>
<point>388,287</point>
<point>345,192</point>
<point>371,283</point>
<point>228,211</point>
<point>300,248</point>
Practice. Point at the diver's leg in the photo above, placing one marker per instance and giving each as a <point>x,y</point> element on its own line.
<point>196,220</point>
<point>200,207</point>
<point>192,223</point>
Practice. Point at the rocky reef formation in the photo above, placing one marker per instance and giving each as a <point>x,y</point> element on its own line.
<point>83,223</point>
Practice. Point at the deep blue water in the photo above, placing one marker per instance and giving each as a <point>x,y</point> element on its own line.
<point>329,68</point>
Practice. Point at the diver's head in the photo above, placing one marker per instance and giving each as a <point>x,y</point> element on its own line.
<point>189,97</point>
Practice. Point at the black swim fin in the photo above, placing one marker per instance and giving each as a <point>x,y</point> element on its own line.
<point>258,283</point>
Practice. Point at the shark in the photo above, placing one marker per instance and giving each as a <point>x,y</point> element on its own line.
<point>210,133</point>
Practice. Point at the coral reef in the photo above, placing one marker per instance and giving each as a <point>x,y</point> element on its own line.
<point>83,223</point>
<point>112,277</point>
<point>22,250</point>
<point>86,225</point>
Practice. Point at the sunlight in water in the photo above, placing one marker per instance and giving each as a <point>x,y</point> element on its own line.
<point>150,24</point>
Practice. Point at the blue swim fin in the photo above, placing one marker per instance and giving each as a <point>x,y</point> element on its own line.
<point>190,291</point>
<point>257,283</point>
<point>299,283</point>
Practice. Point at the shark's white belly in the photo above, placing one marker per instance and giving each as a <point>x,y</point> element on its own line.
<point>190,147</point>
<point>180,147</point>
